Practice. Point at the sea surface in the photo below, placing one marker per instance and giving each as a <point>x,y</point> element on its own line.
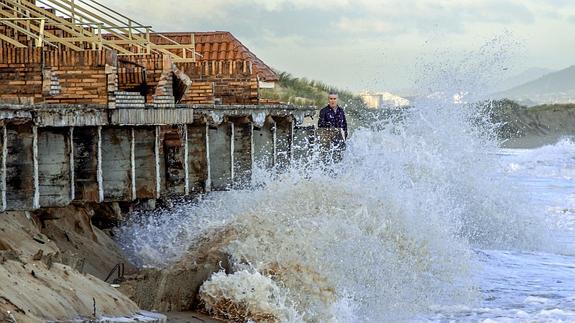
<point>523,285</point>
<point>426,218</point>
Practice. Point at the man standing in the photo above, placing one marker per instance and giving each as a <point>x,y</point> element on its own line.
<point>332,117</point>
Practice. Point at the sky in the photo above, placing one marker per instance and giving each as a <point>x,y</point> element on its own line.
<point>378,45</point>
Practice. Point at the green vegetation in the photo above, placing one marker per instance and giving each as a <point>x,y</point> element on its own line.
<point>514,120</point>
<point>304,92</point>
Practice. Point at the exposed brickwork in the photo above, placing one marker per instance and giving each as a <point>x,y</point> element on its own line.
<point>234,82</point>
<point>83,76</point>
<point>36,76</point>
<point>226,73</point>
<point>199,93</point>
<point>152,70</point>
<point>234,91</point>
<point>131,77</point>
<point>21,75</point>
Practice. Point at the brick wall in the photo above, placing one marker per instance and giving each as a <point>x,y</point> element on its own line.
<point>83,76</point>
<point>233,81</point>
<point>92,77</point>
<point>35,76</point>
<point>199,93</point>
<point>156,67</point>
<point>131,77</point>
<point>20,75</point>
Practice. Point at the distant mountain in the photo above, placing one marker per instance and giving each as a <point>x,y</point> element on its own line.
<point>556,87</point>
<point>528,75</point>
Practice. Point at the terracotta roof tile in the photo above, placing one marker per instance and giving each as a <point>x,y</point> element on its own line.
<point>221,45</point>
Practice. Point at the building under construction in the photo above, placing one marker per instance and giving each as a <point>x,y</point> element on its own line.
<point>96,107</point>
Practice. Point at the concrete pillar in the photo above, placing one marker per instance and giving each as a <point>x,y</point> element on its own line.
<point>55,162</point>
<point>284,141</point>
<point>186,159</point>
<point>22,191</point>
<point>87,144</point>
<point>117,164</point>
<point>243,152</point>
<point>146,161</point>
<point>175,147</point>
<point>198,157</point>
<point>3,155</point>
<point>157,151</point>
<point>265,144</point>
<point>221,141</point>
<point>71,162</point>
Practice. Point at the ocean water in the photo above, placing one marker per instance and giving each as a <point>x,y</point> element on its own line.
<point>425,219</point>
<point>530,285</point>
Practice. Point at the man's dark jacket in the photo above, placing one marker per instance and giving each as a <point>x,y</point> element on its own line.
<point>332,119</point>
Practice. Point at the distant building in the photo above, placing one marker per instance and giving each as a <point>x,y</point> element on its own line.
<point>373,101</point>
<point>383,100</point>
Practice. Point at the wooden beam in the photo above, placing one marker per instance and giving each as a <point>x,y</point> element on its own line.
<point>51,37</point>
<point>11,41</point>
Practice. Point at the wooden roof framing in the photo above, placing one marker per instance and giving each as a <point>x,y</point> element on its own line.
<point>83,24</point>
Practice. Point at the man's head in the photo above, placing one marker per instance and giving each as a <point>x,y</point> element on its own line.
<point>332,99</point>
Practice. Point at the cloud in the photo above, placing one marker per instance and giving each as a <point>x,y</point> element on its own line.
<point>306,35</point>
<point>358,25</point>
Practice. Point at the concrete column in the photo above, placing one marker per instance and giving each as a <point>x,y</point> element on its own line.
<point>54,167</point>
<point>243,152</point>
<point>265,144</point>
<point>36,175</point>
<point>186,159</point>
<point>133,163</point>
<point>100,174</point>
<point>284,141</point>
<point>221,146</point>
<point>208,186</point>
<point>146,162</point>
<point>198,157</point>
<point>71,162</point>
<point>117,164</point>
<point>3,155</point>
<point>86,144</point>
<point>175,159</point>
<point>22,191</point>
<point>157,147</point>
